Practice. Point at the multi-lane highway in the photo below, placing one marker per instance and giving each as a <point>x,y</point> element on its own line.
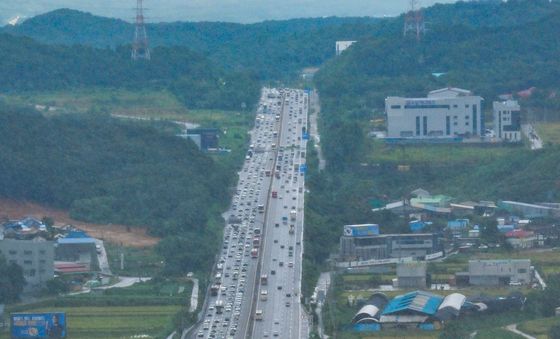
<point>255,291</point>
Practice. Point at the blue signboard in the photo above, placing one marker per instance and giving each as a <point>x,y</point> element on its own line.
<point>305,136</point>
<point>302,168</point>
<point>361,230</point>
<point>38,325</point>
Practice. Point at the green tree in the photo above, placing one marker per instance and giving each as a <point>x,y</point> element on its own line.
<point>11,281</point>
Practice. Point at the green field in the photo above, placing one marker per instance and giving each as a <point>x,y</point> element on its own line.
<point>115,322</point>
<point>539,327</point>
<point>549,132</point>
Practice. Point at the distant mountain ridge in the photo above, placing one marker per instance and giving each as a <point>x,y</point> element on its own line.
<point>273,49</point>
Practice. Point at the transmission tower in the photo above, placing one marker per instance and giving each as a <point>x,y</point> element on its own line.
<point>414,20</point>
<point>140,48</point>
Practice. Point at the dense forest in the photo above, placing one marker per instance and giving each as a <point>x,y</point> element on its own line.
<point>273,49</point>
<point>26,65</point>
<point>110,171</point>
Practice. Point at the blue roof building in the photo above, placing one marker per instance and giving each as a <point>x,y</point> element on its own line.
<point>417,302</point>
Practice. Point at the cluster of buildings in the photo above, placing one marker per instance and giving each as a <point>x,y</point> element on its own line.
<point>42,254</point>
<point>425,310</point>
<point>450,114</point>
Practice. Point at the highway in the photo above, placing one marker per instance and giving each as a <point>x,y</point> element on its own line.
<point>264,231</point>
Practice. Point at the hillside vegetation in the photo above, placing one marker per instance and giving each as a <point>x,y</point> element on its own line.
<point>26,65</point>
<point>109,171</point>
<point>490,52</point>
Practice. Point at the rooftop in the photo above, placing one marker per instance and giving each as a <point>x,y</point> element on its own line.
<point>417,301</point>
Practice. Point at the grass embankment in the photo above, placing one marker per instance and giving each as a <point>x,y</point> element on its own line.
<point>538,328</point>
<point>549,132</point>
<point>147,309</point>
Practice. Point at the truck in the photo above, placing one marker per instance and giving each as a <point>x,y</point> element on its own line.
<point>214,290</point>
<point>264,279</point>
<point>219,306</point>
<point>293,215</point>
<point>274,194</point>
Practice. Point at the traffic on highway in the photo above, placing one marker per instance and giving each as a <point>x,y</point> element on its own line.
<point>255,290</point>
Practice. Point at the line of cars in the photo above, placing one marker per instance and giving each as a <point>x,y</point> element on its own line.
<point>231,292</point>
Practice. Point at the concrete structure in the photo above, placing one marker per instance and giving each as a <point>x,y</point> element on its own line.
<point>411,275</point>
<point>507,120</point>
<point>388,246</point>
<point>35,256</point>
<point>541,210</point>
<point>341,46</point>
<point>204,138</point>
<point>77,250</point>
<point>445,114</point>
<point>499,272</point>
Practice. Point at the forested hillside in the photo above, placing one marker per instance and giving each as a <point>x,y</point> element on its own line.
<point>109,171</point>
<point>26,65</point>
<point>273,49</point>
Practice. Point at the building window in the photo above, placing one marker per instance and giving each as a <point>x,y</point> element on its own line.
<point>466,123</point>
<point>467,117</point>
<point>425,123</point>
<point>522,270</point>
<point>27,262</point>
<point>467,106</point>
<point>447,125</point>
<point>455,117</point>
<point>474,119</point>
<point>454,106</point>
<point>395,106</point>
<point>42,261</point>
<point>42,271</point>
<point>417,125</point>
<point>42,252</point>
<point>12,252</point>
<point>27,252</point>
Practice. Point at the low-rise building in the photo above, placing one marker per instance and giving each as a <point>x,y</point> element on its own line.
<point>388,246</point>
<point>445,114</point>
<point>507,120</point>
<point>412,274</point>
<point>499,272</point>
<point>341,46</point>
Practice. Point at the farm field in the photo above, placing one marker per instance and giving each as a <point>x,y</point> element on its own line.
<point>549,132</point>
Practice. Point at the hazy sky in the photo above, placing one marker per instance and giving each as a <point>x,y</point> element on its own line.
<point>213,10</point>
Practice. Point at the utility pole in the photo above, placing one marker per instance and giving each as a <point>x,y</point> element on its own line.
<point>414,20</point>
<point>140,48</point>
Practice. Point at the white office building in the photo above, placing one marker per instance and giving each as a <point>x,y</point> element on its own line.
<point>507,120</point>
<point>341,46</point>
<point>445,113</point>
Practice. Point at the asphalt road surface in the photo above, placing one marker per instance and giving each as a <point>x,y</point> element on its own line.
<point>264,231</point>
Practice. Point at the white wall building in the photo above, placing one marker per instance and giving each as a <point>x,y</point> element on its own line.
<point>341,46</point>
<point>507,120</point>
<point>445,113</point>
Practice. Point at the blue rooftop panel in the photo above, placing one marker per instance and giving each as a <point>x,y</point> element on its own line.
<point>418,301</point>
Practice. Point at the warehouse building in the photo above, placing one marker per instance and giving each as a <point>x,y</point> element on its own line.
<point>411,274</point>
<point>507,120</point>
<point>445,114</point>
<point>388,246</point>
<point>499,272</point>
